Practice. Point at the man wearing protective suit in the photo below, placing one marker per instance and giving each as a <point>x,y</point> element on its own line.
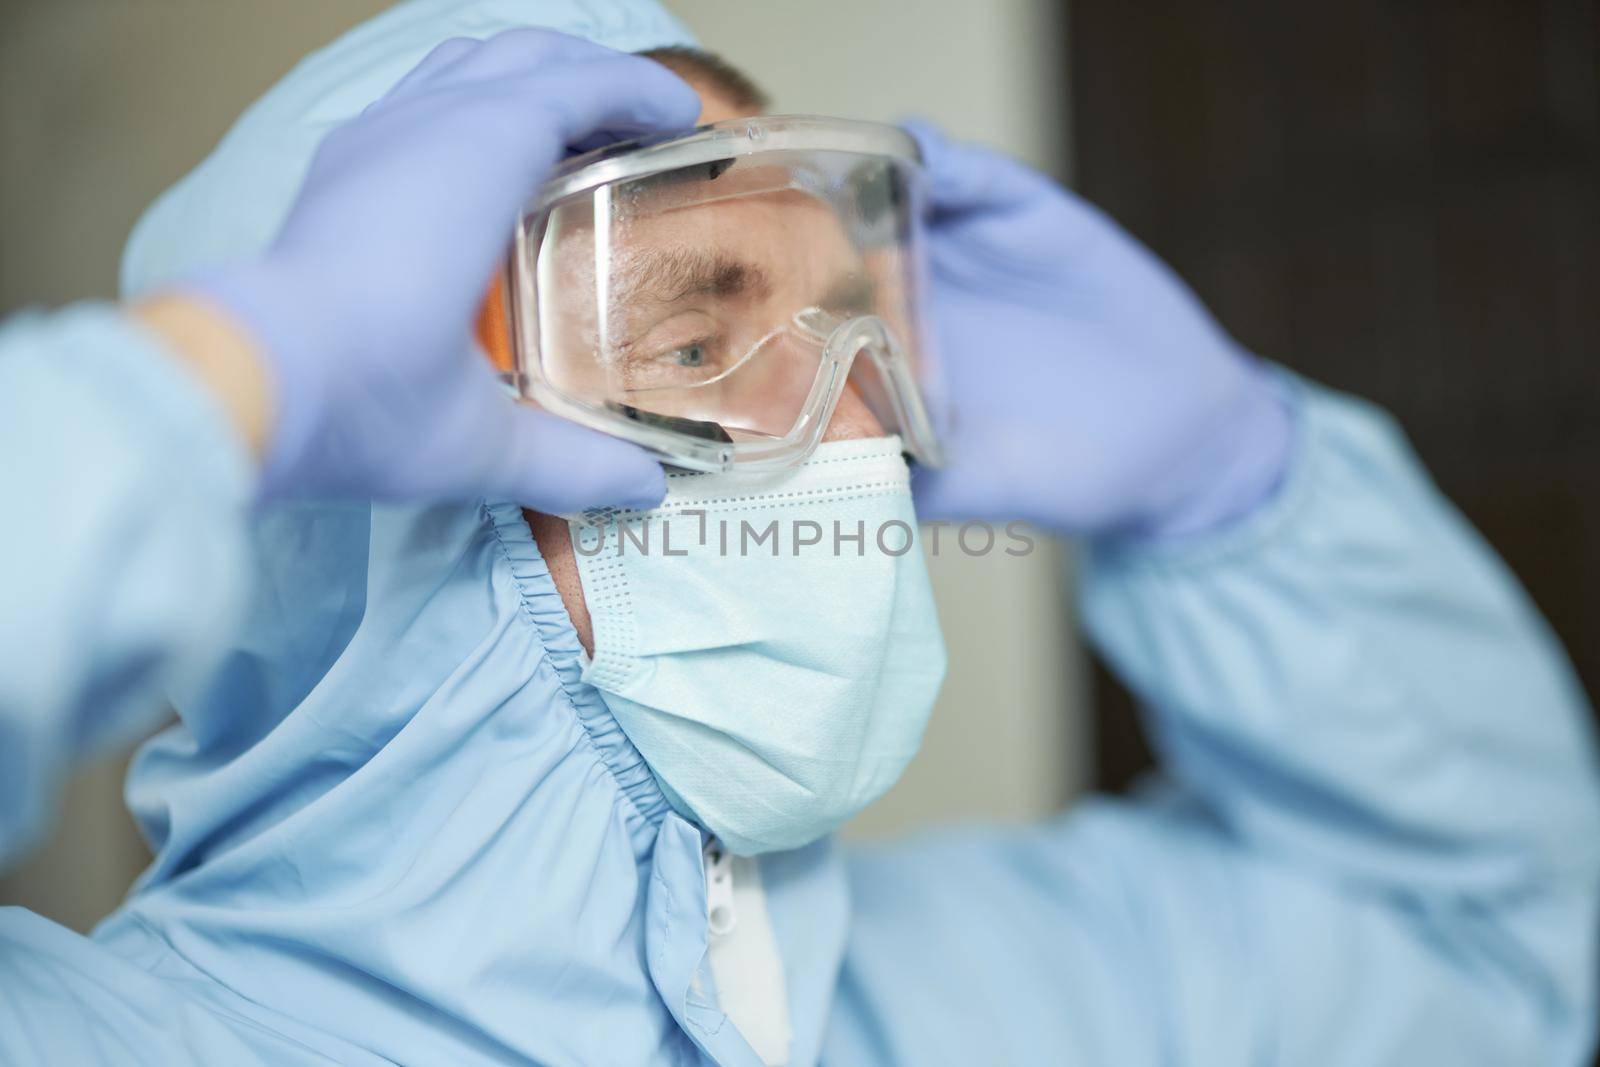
<point>413,818</point>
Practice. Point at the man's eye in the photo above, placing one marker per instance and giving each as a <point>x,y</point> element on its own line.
<point>689,355</point>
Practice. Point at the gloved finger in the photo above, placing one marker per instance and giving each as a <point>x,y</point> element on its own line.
<point>971,183</point>
<point>966,177</point>
<point>521,126</point>
<point>515,52</point>
<point>514,55</point>
<point>559,467</point>
<point>622,95</point>
<point>501,137</point>
<point>948,495</point>
<point>552,70</point>
<point>442,56</point>
<point>987,479</point>
<point>518,452</point>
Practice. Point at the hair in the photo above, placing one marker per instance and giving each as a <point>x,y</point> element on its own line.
<point>696,64</point>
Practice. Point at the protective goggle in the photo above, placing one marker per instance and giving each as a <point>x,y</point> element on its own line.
<point>713,296</point>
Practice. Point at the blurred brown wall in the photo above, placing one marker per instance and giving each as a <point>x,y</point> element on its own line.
<point>1399,199</point>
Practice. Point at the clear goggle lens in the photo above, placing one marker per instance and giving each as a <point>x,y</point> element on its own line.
<point>715,310</point>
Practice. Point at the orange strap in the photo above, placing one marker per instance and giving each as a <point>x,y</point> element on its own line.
<point>493,328</point>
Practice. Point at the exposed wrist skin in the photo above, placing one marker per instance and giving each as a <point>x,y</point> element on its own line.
<point>221,355</point>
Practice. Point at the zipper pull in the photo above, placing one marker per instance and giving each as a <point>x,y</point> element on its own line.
<point>720,916</point>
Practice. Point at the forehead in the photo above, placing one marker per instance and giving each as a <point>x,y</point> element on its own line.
<point>785,236</point>
<point>751,203</point>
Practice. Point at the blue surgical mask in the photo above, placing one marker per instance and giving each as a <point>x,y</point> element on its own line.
<point>768,642</point>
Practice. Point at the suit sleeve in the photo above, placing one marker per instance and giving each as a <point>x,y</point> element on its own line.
<point>1376,838</point>
<point>121,546</point>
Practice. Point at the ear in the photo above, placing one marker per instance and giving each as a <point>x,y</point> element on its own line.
<point>493,328</point>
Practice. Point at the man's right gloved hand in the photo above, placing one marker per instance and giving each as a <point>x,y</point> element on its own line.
<point>1093,393</point>
<point>362,308</point>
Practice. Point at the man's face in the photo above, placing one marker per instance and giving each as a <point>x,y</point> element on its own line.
<point>750,241</point>
<point>717,300</point>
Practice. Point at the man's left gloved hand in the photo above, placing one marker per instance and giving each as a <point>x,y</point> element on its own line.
<point>1093,393</point>
<point>362,308</point>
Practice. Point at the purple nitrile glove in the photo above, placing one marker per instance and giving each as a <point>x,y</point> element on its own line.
<point>364,304</point>
<point>1093,392</point>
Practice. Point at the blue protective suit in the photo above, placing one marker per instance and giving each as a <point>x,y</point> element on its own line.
<point>396,827</point>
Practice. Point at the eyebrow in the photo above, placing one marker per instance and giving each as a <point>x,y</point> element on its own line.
<point>667,276</point>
